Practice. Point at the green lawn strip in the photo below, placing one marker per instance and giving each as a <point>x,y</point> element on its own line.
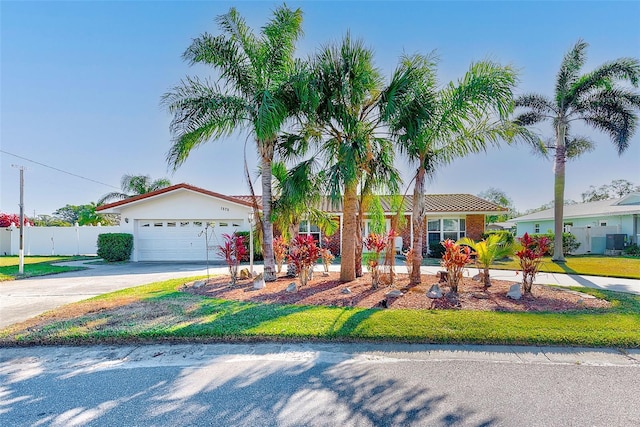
<point>36,266</point>
<point>160,311</point>
<point>590,265</point>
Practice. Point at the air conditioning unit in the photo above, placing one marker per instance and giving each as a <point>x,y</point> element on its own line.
<point>615,241</point>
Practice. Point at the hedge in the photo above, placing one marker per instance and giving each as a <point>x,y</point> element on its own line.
<point>115,247</point>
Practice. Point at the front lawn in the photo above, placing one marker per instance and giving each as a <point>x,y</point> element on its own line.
<point>590,265</point>
<point>35,266</point>
<point>161,312</point>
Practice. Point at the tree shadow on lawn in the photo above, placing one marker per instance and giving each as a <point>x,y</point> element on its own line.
<point>310,390</point>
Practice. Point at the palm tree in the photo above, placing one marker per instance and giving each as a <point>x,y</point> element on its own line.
<point>134,185</point>
<point>438,125</point>
<point>487,251</point>
<point>254,96</point>
<point>351,121</point>
<point>595,98</point>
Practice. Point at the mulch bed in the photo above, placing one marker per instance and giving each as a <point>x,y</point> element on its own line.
<point>329,291</point>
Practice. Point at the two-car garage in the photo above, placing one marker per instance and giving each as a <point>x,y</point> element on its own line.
<point>180,223</point>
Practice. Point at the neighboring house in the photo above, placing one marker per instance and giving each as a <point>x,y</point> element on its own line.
<point>170,224</point>
<point>590,222</point>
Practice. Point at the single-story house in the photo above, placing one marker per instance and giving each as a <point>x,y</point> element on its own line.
<point>171,223</point>
<point>590,222</point>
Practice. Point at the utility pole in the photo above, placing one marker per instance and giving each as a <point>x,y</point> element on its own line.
<point>21,225</point>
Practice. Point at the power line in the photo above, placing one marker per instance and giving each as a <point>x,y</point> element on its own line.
<point>59,170</point>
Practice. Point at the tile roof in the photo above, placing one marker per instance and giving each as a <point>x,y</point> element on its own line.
<point>435,203</point>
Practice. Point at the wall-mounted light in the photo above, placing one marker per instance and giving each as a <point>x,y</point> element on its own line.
<point>126,220</point>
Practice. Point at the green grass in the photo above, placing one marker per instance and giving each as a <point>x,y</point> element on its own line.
<point>590,265</point>
<point>161,312</point>
<point>35,266</point>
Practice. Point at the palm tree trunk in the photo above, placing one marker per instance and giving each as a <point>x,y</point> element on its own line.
<point>418,226</point>
<point>558,200</point>
<point>348,253</point>
<point>359,237</point>
<point>267,225</point>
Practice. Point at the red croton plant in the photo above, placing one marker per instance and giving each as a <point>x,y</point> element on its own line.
<point>303,253</point>
<point>233,250</point>
<point>376,243</point>
<point>454,259</point>
<point>280,249</point>
<point>530,254</point>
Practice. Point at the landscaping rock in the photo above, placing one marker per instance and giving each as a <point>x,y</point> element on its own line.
<point>292,287</point>
<point>199,283</point>
<point>514,291</point>
<point>244,273</point>
<point>346,291</point>
<point>434,292</point>
<point>258,282</point>
<point>394,294</point>
<point>480,295</point>
<point>477,277</point>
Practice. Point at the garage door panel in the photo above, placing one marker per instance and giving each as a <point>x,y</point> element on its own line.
<point>179,240</point>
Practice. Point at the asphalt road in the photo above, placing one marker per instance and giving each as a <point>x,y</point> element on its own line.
<point>317,385</point>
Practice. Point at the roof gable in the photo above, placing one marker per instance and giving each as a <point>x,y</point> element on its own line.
<point>167,190</point>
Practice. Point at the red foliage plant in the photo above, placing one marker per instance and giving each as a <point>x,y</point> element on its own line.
<point>233,250</point>
<point>7,219</point>
<point>303,253</point>
<point>280,249</point>
<point>530,255</point>
<point>454,259</point>
<point>377,243</point>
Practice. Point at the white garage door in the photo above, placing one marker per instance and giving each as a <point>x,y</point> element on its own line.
<point>181,240</point>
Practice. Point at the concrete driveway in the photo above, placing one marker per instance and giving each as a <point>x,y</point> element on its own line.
<point>22,299</point>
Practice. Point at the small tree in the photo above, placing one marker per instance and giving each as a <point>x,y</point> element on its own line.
<point>494,247</point>
<point>531,251</point>
<point>233,250</point>
<point>454,259</point>
<point>303,253</point>
<point>280,249</point>
<point>376,243</point>
<point>327,256</point>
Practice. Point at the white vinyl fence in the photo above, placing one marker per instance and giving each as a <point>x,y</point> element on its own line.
<point>78,240</point>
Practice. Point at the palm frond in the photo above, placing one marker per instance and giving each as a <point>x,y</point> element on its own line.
<point>577,146</point>
<point>568,74</point>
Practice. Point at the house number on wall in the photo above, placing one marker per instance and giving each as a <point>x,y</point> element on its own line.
<point>222,208</point>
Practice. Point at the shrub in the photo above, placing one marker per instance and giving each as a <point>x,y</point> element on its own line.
<point>280,250</point>
<point>376,243</point>
<point>303,254</point>
<point>436,251</point>
<point>455,258</point>
<point>257,249</point>
<point>115,247</point>
<point>233,250</point>
<point>505,236</point>
<point>532,249</point>
<point>569,242</point>
<point>632,250</point>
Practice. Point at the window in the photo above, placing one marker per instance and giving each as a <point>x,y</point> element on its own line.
<point>306,228</point>
<point>158,224</point>
<point>145,224</point>
<point>441,229</point>
<point>184,223</point>
<point>224,224</point>
<point>197,223</point>
<point>603,223</point>
<point>536,228</point>
<point>171,224</point>
<point>566,228</point>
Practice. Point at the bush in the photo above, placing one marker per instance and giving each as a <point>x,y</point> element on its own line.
<point>569,242</point>
<point>505,235</point>
<point>632,250</point>
<point>115,247</point>
<point>436,251</point>
<point>257,248</point>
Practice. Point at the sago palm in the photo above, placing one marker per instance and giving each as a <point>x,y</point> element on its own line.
<point>440,124</point>
<point>488,251</point>
<point>595,98</point>
<point>252,94</point>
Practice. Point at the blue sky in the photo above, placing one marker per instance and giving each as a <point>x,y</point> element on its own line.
<point>81,84</point>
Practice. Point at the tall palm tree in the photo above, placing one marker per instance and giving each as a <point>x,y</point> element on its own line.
<point>440,124</point>
<point>134,185</point>
<point>595,98</point>
<point>253,95</point>
<point>349,121</point>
